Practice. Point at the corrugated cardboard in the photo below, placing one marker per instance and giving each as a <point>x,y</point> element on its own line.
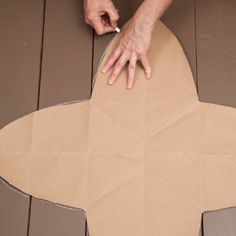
<point>143,162</point>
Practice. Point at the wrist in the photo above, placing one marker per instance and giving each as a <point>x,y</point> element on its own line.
<point>148,12</point>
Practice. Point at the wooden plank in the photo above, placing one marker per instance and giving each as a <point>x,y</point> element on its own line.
<point>179,18</point>
<point>14,211</point>
<point>67,54</point>
<point>220,222</point>
<point>21,27</point>
<point>216,36</point>
<point>49,219</point>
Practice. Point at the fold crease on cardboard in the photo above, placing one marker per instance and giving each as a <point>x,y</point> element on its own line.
<point>143,162</point>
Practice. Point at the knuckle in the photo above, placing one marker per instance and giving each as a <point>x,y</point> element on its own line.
<point>113,77</point>
<point>115,54</point>
<point>131,66</point>
<point>122,47</point>
<point>113,58</point>
<point>89,15</point>
<point>119,64</point>
<point>115,73</point>
<point>109,62</point>
<point>98,31</point>
<point>116,17</point>
<point>131,79</point>
<point>143,55</point>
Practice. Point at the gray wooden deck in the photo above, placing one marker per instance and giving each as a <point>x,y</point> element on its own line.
<point>48,55</point>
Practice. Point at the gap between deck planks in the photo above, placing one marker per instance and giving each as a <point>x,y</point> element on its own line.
<point>21,27</point>
<point>71,51</point>
<point>53,48</point>
<point>67,76</point>
<point>67,54</point>
<point>23,215</point>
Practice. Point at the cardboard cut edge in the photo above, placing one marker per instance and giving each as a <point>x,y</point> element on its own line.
<point>20,192</point>
<point>58,204</point>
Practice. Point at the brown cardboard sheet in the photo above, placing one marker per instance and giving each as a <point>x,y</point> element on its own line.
<point>143,162</point>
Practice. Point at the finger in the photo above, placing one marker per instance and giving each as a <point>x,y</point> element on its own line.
<point>118,67</point>
<point>95,21</point>
<point>98,26</point>
<point>114,16</point>
<point>105,21</point>
<point>101,28</point>
<point>147,68</point>
<point>111,61</point>
<point>108,29</point>
<point>131,71</point>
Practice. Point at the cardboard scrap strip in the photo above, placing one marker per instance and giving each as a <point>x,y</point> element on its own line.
<point>142,162</point>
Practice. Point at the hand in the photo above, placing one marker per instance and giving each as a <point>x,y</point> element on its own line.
<point>135,41</point>
<point>101,15</point>
<point>133,46</point>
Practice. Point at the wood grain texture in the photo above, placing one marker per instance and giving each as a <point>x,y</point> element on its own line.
<point>49,219</point>
<point>20,26</point>
<point>180,18</point>
<point>14,209</point>
<point>216,36</point>
<point>67,54</point>
<point>220,222</point>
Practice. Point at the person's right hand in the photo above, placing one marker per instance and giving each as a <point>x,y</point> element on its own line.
<point>101,15</point>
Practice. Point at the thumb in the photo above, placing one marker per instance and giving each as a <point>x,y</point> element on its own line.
<point>99,28</point>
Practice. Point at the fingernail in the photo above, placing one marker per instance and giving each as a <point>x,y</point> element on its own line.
<point>129,86</point>
<point>110,82</point>
<point>103,70</point>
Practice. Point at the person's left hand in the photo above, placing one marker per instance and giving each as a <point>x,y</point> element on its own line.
<point>133,46</point>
